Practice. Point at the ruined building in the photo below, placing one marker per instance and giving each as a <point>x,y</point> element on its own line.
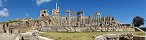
<point>71,22</point>
<point>77,21</point>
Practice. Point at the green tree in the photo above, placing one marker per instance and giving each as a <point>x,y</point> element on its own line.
<point>138,21</point>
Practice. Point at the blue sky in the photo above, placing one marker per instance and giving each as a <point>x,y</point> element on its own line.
<point>122,10</point>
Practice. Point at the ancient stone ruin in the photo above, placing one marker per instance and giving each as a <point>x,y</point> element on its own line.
<point>119,36</point>
<point>20,28</point>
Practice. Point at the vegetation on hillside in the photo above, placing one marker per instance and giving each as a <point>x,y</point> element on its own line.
<point>138,21</point>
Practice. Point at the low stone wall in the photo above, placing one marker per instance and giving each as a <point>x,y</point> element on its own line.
<point>73,29</point>
<point>65,29</point>
<point>76,29</point>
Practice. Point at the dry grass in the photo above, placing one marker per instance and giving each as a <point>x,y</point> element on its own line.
<point>79,36</point>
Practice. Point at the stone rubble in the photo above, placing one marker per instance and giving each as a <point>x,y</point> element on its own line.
<point>123,36</point>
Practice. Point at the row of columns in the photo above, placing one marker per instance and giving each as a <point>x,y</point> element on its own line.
<point>76,19</point>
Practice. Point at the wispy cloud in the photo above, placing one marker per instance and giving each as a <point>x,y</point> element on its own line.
<point>32,0</point>
<point>39,2</point>
<point>26,14</point>
<point>4,12</point>
<point>3,2</point>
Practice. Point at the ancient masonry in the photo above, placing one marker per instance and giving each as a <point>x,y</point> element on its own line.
<point>71,22</point>
<point>29,29</point>
<point>77,21</point>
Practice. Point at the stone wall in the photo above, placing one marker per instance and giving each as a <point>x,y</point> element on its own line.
<point>66,29</point>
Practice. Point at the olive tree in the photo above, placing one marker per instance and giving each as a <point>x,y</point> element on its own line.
<point>137,21</point>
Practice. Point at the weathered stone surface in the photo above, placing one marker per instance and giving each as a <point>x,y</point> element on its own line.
<point>5,36</point>
<point>139,38</point>
<point>100,38</point>
<point>32,35</point>
<point>123,36</point>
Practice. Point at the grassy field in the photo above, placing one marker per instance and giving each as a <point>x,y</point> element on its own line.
<point>81,35</point>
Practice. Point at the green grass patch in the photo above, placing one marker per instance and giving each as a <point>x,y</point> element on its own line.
<point>80,35</point>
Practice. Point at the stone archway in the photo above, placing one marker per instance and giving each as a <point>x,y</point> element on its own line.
<point>49,21</point>
<point>10,30</point>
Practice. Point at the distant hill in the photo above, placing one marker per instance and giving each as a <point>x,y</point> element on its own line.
<point>143,28</point>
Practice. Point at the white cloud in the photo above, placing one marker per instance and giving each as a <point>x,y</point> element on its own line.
<point>39,2</point>
<point>26,14</point>
<point>4,12</point>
